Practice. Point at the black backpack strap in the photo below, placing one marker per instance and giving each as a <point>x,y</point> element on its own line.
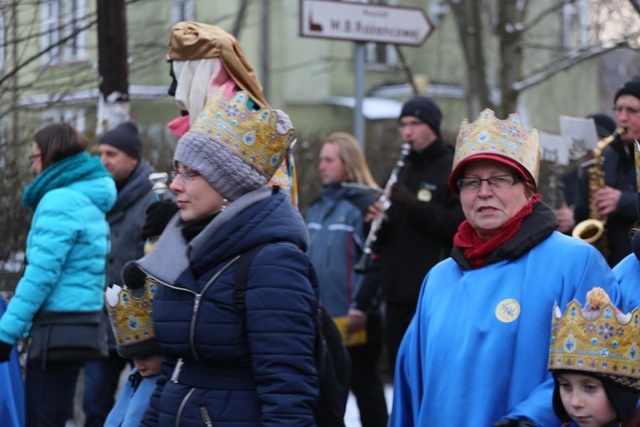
<point>242,273</point>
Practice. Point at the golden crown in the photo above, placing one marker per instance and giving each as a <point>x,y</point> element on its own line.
<point>508,138</point>
<point>131,315</point>
<point>250,134</point>
<point>597,339</point>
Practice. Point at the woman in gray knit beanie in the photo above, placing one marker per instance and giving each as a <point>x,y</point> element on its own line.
<point>239,363</point>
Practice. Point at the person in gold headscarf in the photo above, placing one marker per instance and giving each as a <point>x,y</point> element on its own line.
<point>475,353</point>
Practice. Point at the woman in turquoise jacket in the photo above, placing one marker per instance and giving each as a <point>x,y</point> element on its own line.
<point>66,253</point>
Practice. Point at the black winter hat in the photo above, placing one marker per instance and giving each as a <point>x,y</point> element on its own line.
<point>124,137</point>
<point>424,109</point>
<point>632,87</point>
<point>605,125</point>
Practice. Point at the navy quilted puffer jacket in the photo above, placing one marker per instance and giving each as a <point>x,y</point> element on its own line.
<point>221,370</point>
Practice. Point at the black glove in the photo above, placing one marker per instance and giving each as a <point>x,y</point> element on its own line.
<point>5,351</point>
<point>402,195</point>
<point>158,216</point>
<point>520,422</point>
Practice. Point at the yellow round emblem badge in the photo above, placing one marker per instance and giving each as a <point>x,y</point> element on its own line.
<point>425,195</point>
<point>508,310</point>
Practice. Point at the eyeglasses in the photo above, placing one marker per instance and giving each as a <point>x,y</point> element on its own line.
<point>187,175</point>
<point>498,182</point>
<point>411,125</point>
<point>33,156</point>
<point>630,110</point>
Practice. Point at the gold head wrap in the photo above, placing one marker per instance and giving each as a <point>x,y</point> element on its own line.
<point>195,40</point>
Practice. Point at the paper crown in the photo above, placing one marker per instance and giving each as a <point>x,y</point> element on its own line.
<point>131,317</point>
<point>250,134</point>
<point>598,339</point>
<point>508,138</point>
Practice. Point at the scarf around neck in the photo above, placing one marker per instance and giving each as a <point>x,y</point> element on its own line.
<point>477,250</point>
<point>79,167</point>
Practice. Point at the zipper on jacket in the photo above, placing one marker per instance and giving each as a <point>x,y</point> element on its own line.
<point>167,284</point>
<point>205,417</point>
<point>182,405</point>
<point>196,307</point>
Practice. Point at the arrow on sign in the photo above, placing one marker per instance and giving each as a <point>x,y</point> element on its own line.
<point>364,22</point>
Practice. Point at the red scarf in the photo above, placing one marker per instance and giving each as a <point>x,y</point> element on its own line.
<point>477,250</point>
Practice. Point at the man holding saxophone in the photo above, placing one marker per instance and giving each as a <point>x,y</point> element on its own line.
<point>615,201</point>
<point>422,220</point>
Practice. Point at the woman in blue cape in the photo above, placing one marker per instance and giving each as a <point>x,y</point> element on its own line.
<point>476,351</point>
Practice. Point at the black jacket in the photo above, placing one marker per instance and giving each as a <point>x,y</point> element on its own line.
<point>417,237</point>
<point>620,173</point>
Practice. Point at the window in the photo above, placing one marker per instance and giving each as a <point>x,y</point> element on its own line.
<point>74,116</point>
<point>75,13</point>
<point>575,25</point>
<point>381,55</point>
<point>182,10</point>
<point>49,14</point>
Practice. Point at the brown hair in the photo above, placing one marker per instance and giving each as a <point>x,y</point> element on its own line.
<point>352,157</point>
<point>58,141</point>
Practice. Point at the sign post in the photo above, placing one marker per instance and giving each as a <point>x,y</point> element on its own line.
<point>360,23</point>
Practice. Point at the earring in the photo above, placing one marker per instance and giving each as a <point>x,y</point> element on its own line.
<point>224,204</point>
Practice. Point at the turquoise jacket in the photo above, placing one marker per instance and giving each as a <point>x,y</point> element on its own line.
<point>67,244</point>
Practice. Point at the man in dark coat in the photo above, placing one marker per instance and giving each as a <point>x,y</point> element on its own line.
<point>422,220</point>
<point>120,150</point>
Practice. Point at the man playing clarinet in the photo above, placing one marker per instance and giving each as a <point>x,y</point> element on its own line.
<point>421,222</point>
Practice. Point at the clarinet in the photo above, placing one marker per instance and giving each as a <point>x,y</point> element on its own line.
<point>385,203</point>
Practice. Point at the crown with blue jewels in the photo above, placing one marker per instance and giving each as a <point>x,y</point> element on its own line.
<point>508,138</point>
<point>131,316</point>
<point>597,339</point>
<point>250,134</point>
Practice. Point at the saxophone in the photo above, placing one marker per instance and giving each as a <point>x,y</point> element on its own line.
<point>592,230</point>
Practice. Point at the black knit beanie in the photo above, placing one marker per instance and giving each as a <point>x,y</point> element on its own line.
<point>124,137</point>
<point>632,87</point>
<point>424,109</point>
<point>605,125</point>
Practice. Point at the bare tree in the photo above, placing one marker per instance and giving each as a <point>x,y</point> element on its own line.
<point>522,29</point>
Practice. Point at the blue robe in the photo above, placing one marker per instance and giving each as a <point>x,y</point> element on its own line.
<point>627,272</point>
<point>11,387</point>
<point>477,349</point>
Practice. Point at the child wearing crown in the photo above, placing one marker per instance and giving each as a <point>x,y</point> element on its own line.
<point>131,316</point>
<point>595,363</point>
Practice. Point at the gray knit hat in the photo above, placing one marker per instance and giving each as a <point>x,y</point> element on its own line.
<point>235,148</point>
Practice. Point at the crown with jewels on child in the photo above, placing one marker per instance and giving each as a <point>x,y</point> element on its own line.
<point>597,339</point>
<point>131,316</point>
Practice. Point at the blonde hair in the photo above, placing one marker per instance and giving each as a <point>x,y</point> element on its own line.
<point>352,157</point>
